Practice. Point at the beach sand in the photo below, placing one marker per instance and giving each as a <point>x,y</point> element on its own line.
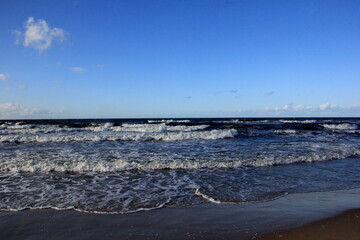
<point>204,221</point>
<point>344,226</point>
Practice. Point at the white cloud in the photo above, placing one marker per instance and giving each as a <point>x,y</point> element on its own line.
<point>3,77</point>
<point>38,34</point>
<point>289,108</point>
<point>326,106</point>
<point>298,107</point>
<point>77,69</point>
<point>100,65</point>
<point>14,110</point>
<point>286,107</point>
<point>325,109</point>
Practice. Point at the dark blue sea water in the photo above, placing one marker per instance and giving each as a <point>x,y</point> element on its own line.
<point>123,166</point>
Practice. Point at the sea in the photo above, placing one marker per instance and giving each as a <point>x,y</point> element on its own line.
<point>119,166</point>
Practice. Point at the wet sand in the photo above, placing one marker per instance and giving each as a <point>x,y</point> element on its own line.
<point>205,221</point>
<point>344,226</point>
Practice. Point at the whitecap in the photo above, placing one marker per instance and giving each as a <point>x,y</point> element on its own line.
<point>342,126</point>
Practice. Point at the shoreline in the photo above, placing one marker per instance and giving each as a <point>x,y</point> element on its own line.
<point>204,221</point>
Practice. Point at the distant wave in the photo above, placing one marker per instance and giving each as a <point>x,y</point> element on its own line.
<point>150,128</point>
<point>287,131</point>
<point>239,121</point>
<point>121,136</point>
<point>342,126</point>
<point>138,127</point>
<point>168,121</point>
<point>298,121</point>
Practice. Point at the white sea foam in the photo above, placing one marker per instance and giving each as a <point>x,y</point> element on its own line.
<point>352,131</point>
<point>127,211</point>
<point>142,127</point>
<point>206,197</point>
<point>120,136</point>
<point>342,126</point>
<point>39,129</point>
<point>17,125</point>
<point>100,127</point>
<point>156,128</point>
<point>168,121</point>
<point>238,121</point>
<point>298,121</point>
<point>24,162</point>
<point>287,131</point>
<point>95,193</point>
<point>216,201</point>
<point>105,127</point>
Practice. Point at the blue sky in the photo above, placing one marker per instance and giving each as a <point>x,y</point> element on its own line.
<point>100,59</point>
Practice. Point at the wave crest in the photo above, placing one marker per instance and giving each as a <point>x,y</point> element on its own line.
<point>120,136</point>
<point>342,126</point>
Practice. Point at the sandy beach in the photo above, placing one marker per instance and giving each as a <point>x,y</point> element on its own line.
<point>342,226</point>
<point>203,221</point>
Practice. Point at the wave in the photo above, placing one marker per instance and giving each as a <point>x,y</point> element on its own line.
<point>287,131</point>
<point>208,198</point>
<point>121,136</point>
<point>104,127</point>
<point>120,211</point>
<point>168,121</point>
<point>298,121</point>
<point>156,128</point>
<point>17,125</point>
<point>239,121</point>
<point>23,163</point>
<point>352,131</point>
<point>341,126</point>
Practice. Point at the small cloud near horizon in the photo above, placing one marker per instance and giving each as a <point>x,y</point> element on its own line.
<point>293,110</point>
<point>327,109</point>
<point>269,93</point>
<point>326,106</point>
<point>77,69</point>
<point>38,34</point>
<point>15,110</point>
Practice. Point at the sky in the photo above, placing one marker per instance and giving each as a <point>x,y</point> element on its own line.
<point>179,58</point>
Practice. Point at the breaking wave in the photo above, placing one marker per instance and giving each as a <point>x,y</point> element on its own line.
<point>120,136</point>
<point>342,126</point>
<point>287,131</point>
<point>24,163</point>
<point>298,121</point>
